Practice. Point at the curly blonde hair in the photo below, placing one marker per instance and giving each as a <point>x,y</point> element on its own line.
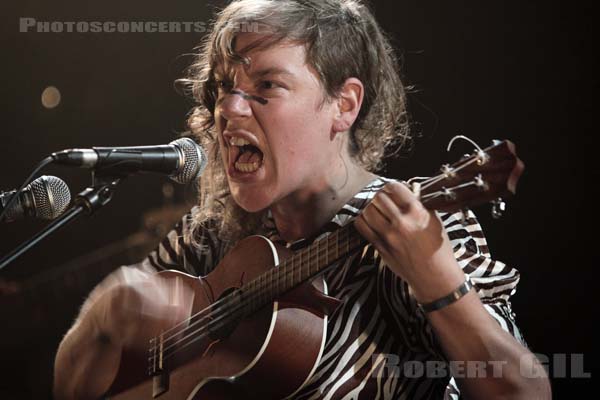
<point>342,40</point>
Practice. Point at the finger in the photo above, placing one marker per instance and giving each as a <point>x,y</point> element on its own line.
<point>400,195</point>
<point>376,220</point>
<point>387,207</point>
<point>365,229</point>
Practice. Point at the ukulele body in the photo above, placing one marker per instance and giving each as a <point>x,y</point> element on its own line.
<point>268,355</point>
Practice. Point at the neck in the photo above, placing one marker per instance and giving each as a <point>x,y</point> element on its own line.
<point>301,215</point>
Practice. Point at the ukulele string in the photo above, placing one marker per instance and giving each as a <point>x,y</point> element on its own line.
<point>212,311</point>
<point>218,321</point>
<point>433,180</point>
<point>433,195</point>
<point>228,315</point>
<point>255,292</point>
<point>187,323</point>
<point>201,333</point>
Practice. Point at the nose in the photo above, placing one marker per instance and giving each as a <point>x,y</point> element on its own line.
<point>235,104</point>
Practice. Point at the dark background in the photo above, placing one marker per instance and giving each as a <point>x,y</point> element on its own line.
<point>523,71</point>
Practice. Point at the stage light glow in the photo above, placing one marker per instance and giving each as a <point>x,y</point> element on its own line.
<point>50,97</point>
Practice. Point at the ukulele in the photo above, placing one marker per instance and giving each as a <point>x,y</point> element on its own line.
<point>258,324</point>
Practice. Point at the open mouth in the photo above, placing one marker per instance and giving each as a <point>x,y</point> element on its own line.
<point>245,157</point>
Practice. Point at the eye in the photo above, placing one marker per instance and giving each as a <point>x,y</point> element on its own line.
<point>267,85</point>
<point>223,85</point>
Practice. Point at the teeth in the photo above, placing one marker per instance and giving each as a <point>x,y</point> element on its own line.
<point>246,167</point>
<point>238,141</point>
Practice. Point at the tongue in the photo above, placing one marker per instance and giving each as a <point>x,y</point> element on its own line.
<point>250,156</point>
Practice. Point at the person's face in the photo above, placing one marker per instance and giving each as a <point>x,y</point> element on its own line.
<point>292,145</point>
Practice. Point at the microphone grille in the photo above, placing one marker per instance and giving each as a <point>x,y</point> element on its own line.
<point>194,161</point>
<point>51,196</point>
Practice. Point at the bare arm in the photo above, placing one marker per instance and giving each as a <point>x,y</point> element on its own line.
<point>413,243</point>
<point>87,359</point>
<point>124,311</point>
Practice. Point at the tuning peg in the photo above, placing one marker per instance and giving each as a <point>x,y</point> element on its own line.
<point>482,157</point>
<point>449,194</point>
<point>415,187</point>
<point>498,208</point>
<point>448,171</point>
<point>480,183</point>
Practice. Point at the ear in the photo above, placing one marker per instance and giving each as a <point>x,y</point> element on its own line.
<point>349,101</point>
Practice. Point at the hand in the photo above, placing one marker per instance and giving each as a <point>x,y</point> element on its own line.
<point>133,306</point>
<point>411,241</point>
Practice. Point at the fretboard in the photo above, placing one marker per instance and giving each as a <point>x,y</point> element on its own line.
<point>303,265</point>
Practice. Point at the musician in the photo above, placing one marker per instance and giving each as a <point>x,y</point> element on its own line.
<point>297,102</point>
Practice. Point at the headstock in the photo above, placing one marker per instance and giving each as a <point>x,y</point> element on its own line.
<point>485,176</point>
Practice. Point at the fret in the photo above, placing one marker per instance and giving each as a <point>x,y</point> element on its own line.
<point>308,260</point>
<point>247,293</point>
<point>266,287</point>
<point>254,293</point>
<point>312,260</point>
<point>153,357</point>
<point>304,264</point>
<point>276,279</point>
<point>260,289</point>
<point>280,272</point>
<point>274,283</point>
<point>276,274</point>
<point>307,263</point>
<point>283,267</point>
<point>270,284</point>
<point>327,253</point>
<point>300,262</point>
<point>318,255</point>
<point>257,294</point>
<point>263,289</point>
<point>161,351</point>
<point>315,261</point>
<point>347,244</point>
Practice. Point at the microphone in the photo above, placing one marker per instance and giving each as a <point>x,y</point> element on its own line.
<point>182,159</point>
<point>46,197</point>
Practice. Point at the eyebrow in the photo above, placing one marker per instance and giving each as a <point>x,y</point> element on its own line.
<point>270,71</point>
<point>219,73</point>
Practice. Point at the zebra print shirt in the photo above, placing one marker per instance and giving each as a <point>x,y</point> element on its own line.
<point>378,328</point>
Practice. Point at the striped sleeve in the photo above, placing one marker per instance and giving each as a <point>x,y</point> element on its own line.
<point>494,281</point>
<point>176,250</point>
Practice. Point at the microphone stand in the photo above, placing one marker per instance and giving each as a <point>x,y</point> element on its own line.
<point>89,201</point>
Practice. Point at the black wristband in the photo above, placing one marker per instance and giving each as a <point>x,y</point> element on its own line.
<point>460,291</point>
